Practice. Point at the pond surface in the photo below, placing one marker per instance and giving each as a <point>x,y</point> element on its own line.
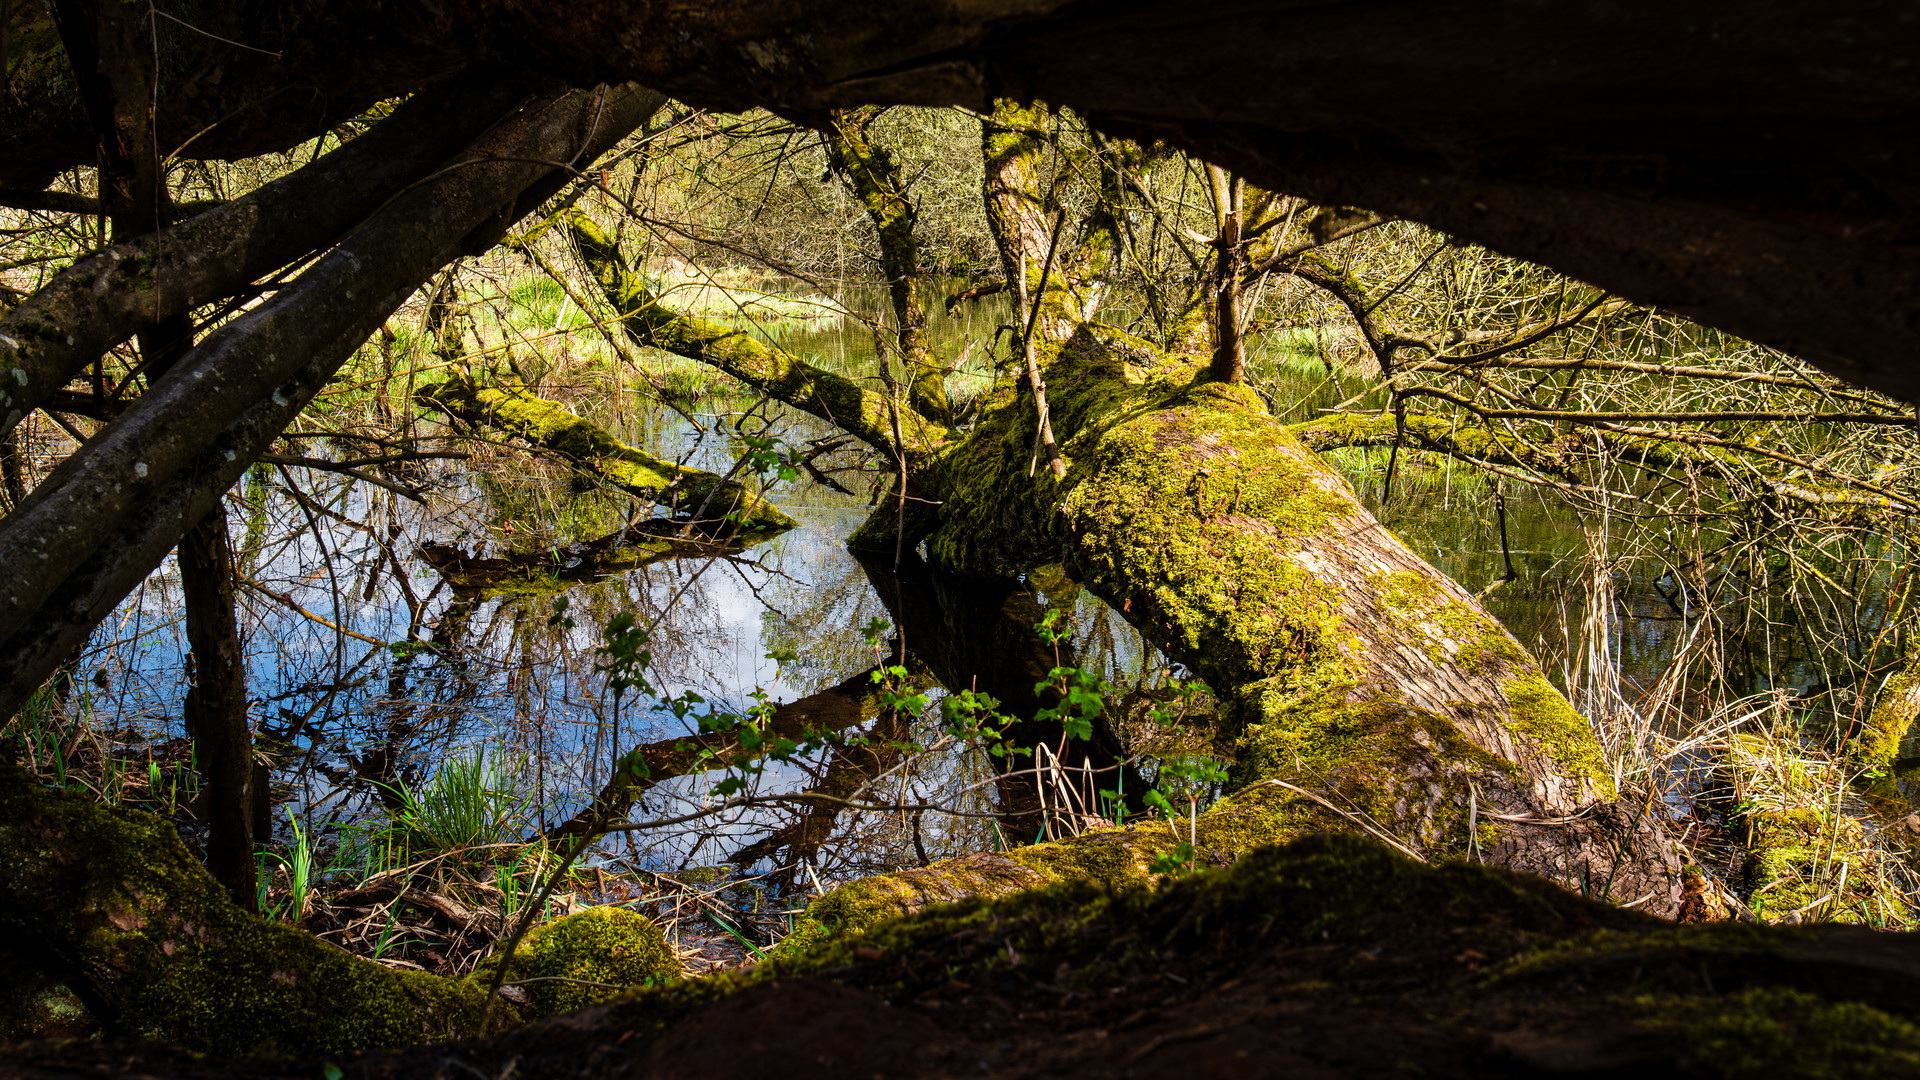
<point>430,668</point>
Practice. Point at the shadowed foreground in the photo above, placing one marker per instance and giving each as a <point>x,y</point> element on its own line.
<point>1326,957</point>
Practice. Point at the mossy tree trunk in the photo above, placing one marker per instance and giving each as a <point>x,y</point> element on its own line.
<point>1373,691</point>
<point>716,504</point>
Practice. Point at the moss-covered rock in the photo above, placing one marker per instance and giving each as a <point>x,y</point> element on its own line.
<point>586,958</point>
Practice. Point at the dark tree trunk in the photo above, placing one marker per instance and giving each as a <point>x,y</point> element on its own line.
<point>216,708</point>
<point>115,72</point>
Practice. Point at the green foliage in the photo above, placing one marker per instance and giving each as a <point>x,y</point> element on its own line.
<point>298,864</point>
<point>473,801</point>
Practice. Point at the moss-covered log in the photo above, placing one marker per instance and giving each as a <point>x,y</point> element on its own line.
<point>715,503</point>
<point>867,414</point>
<point>110,921</point>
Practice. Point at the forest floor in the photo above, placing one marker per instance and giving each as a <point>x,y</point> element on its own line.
<point>1327,957</point>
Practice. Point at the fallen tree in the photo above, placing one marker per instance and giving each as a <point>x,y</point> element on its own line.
<point>1351,672</point>
<point>1367,693</point>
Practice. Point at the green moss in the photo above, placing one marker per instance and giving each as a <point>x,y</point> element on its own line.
<point>1894,711</point>
<point>170,957</point>
<point>1769,1032</point>
<point>594,449</point>
<point>1392,763</point>
<point>1179,510</point>
<point>1543,714</point>
<point>141,267</point>
<point>858,906</point>
<point>1456,631</point>
<point>864,413</point>
<point>587,958</point>
<point>1110,858</point>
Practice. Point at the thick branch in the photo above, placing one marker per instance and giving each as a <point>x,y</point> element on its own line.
<point>103,519</point>
<point>865,414</point>
<point>717,503</point>
<point>104,299</point>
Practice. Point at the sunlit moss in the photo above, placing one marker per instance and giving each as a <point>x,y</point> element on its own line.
<point>1544,714</point>
<point>588,957</point>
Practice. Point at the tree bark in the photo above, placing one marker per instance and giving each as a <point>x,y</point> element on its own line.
<point>216,706</point>
<point>879,185</point>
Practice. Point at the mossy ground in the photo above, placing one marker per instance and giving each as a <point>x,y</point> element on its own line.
<point>110,900</point>
<point>1330,956</point>
<point>114,894</point>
